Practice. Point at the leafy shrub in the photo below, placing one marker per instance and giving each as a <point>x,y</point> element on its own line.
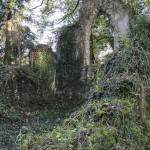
<point>128,69</point>
<point>98,125</point>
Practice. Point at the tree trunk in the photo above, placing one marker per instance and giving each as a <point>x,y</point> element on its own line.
<point>8,46</point>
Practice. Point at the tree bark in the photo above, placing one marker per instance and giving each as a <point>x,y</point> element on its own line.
<point>8,46</point>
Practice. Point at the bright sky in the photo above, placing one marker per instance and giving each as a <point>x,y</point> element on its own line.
<point>48,33</point>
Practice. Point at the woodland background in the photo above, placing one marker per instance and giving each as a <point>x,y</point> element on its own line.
<point>72,77</point>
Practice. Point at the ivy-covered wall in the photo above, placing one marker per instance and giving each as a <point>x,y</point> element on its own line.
<point>74,43</point>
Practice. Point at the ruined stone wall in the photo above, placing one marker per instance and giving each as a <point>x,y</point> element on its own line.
<point>69,60</point>
<point>116,10</point>
<point>74,49</point>
<point>120,17</point>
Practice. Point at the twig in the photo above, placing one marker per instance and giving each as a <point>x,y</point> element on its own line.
<point>77,4</point>
<point>38,5</point>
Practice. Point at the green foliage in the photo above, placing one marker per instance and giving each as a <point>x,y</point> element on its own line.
<point>98,125</point>
<point>12,4</point>
<point>101,35</point>
<point>44,66</point>
<point>22,86</point>
<point>104,139</point>
<point>129,68</point>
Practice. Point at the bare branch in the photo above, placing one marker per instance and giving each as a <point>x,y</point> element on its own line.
<point>72,12</point>
<point>38,5</point>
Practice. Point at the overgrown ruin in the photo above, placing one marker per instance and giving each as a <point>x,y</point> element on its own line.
<point>74,45</point>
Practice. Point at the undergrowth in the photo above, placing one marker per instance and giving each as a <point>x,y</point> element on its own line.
<point>98,125</point>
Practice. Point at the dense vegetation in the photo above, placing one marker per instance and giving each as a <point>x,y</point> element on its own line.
<point>100,124</point>
<point>109,109</point>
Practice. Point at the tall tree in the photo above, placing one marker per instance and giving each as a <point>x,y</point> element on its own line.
<point>10,8</point>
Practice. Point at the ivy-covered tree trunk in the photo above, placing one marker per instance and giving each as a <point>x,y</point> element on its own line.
<point>88,13</point>
<point>8,46</point>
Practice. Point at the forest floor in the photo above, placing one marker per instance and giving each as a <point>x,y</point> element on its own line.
<point>94,125</point>
<point>36,117</point>
<point>32,118</point>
